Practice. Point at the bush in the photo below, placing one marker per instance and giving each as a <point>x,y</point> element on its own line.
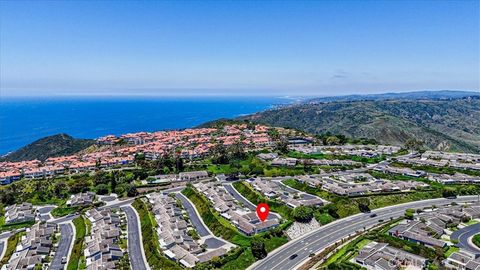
<point>258,248</point>
<point>476,240</point>
<point>303,214</point>
<point>409,213</point>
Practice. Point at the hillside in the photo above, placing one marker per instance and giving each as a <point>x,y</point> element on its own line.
<point>51,146</point>
<point>442,124</point>
<point>417,95</point>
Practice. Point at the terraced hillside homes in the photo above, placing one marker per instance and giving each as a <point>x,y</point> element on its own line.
<point>115,151</point>
<point>241,217</point>
<point>102,250</point>
<point>357,183</point>
<point>177,236</point>
<point>34,249</point>
<point>427,228</point>
<point>273,189</point>
<point>444,159</point>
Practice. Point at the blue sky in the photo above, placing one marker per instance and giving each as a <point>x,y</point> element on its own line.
<point>237,48</point>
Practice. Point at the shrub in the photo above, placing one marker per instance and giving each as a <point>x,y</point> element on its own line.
<point>303,214</point>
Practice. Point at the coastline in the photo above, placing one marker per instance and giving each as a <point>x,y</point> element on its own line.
<point>92,117</point>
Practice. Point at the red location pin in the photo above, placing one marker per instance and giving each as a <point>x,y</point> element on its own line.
<point>262,211</point>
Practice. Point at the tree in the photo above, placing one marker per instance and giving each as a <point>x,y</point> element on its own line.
<point>414,144</point>
<point>80,184</point>
<point>449,193</point>
<point>409,213</point>
<point>100,177</point>
<point>102,189</point>
<point>179,166</point>
<point>120,190</point>
<point>303,214</point>
<point>132,191</point>
<point>363,205</point>
<point>282,146</point>
<point>332,140</point>
<point>258,248</point>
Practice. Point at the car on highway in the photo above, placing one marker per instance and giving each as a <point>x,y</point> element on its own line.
<point>373,215</point>
<point>293,256</point>
<point>64,260</point>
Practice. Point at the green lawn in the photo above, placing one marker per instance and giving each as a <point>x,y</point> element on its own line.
<point>153,253</point>
<point>471,222</point>
<point>62,211</point>
<point>18,225</point>
<point>476,240</point>
<point>78,245</point>
<point>347,251</point>
<point>450,250</point>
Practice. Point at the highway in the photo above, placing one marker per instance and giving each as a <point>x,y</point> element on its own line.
<point>464,235</point>
<point>326,235</point>
<point>135,245</point>
<point>66,230</point>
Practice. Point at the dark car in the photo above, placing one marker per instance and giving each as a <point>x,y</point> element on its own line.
<point>373,215</point>
<point>293,256</point>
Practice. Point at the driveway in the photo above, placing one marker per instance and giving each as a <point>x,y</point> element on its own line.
<point>135,251</point>
<point>66,231</point>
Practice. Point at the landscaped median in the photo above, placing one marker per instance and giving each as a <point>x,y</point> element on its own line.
<point>76,261</point>
<point>151,246</point>
<point>476,240</point>
<point>242,256</point>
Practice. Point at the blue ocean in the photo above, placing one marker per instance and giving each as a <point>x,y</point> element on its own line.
<point>24,120</point>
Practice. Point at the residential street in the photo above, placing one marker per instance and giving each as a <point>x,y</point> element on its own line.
<point>135,250</point>
<point>211,241</point>
<point>464,235</point>
<point>194,218</point>
<point>66,230</point>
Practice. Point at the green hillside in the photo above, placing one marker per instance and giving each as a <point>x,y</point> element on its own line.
<point>51,146</point>
<point>442,124</point>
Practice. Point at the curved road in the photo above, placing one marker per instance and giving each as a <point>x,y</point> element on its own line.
<point>335,231</point>
<point>463,237</point>
<point>210,239</point>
